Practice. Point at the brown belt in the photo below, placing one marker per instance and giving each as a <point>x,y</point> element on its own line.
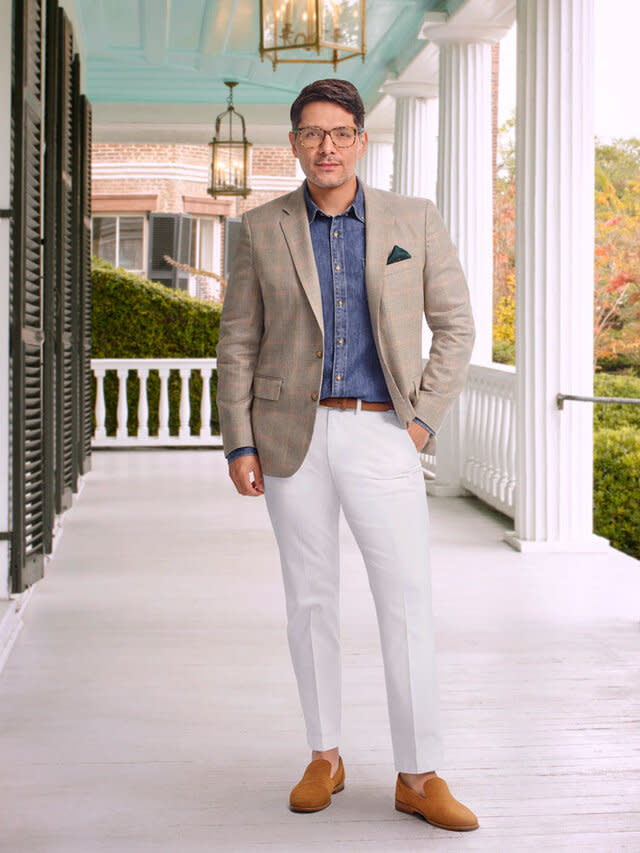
<point>351,403</point>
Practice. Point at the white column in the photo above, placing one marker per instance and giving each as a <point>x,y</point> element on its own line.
<point>465,202</point>
<point>375,168</point>
<point>415,141</point>
<point>554,275</point>
<point>5,203</point>
<point>465,197</point>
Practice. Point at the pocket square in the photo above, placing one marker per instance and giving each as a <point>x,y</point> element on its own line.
<point>397,254</point>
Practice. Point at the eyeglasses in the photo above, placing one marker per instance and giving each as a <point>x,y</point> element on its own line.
<point>313,137</point>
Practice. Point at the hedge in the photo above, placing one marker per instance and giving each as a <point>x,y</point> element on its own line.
<point>616,495</point>
<point>136,318</point>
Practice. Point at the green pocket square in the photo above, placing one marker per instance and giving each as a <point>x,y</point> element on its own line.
<point>397,254</point>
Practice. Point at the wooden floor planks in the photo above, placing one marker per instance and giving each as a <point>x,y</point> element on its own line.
<point>149,704</point>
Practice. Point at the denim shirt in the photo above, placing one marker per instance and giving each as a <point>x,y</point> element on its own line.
<point>351,365</point>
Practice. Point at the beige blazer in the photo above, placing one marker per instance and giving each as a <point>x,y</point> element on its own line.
<point>270,353</point>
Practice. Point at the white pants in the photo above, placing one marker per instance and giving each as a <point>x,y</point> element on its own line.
<point>366,463</point>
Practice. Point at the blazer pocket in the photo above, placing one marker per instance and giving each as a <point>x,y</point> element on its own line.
<point>267,387</point>
<point>401,266</point>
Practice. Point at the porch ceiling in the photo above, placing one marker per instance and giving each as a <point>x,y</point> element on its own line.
<point>181,51</point>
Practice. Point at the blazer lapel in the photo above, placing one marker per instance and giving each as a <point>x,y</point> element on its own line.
<point>295,225</point>
<point>379,224</point>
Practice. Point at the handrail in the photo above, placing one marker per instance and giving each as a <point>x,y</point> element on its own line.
<point>560,398</point>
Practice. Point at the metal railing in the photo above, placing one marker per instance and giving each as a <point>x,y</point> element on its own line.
<point>560,398</point>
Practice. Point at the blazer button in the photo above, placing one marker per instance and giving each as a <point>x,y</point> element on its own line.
<point>319,353</point>
<point>314,395</point>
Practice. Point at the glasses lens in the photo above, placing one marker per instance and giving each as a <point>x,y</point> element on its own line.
<point>311,137</point>
<point>343,137</point>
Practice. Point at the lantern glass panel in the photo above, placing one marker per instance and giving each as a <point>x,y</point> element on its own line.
<point>228,166</point>
<point>288,23</point>
<point>341,23</point>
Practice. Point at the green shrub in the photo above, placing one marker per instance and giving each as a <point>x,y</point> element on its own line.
<point>616,496</point>
<point>132,317</point>
<point>611,415</point>
<point>504,352</point>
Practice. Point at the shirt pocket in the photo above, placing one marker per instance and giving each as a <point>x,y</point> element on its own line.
<point>267,387</point>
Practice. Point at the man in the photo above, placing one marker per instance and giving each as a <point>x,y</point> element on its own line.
<point>324,404</point>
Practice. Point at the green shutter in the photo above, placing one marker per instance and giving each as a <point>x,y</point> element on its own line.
<point>27,553</point>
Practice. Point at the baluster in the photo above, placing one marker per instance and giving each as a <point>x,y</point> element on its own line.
<point>185,403</point>
<point>123,405</point>
<point>504,442</point>
<point>163,407</point>
<point>100,406</point>
<point>143,405</point>
<point>511,455</point>
<point>205,403</point>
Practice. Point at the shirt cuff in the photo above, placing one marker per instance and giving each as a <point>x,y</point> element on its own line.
<point>241,451</point>
<point>422,424</point>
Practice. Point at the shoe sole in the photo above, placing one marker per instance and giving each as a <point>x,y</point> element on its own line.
<point>318,808</point>
<point>407,809</point>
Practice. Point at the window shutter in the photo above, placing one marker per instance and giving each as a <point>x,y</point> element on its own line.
<point>86,425</point>
<point>50,271</point>
<point>64,480</point>
<point>27,554</point>
<point>186,241</point>
<point>163,240</point>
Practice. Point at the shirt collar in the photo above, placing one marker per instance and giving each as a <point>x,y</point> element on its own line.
<point>356,208</point>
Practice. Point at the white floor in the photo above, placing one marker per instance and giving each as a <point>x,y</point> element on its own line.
<point>149,704</point>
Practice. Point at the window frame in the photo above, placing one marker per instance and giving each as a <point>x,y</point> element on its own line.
<point>128,214</point>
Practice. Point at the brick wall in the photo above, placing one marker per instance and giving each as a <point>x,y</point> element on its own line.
<point>266,161</point>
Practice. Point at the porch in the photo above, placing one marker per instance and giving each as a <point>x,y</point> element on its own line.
<point>151,683</point>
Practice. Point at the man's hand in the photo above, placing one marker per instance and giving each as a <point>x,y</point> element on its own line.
<point>419,435</point>
<point>240,470</point>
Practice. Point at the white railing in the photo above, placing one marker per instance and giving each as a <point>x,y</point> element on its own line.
<point>142,366</point>
<point>488,468</point>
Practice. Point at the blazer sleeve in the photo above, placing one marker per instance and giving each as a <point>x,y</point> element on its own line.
<point>241,329</point>
<point>447,309</point>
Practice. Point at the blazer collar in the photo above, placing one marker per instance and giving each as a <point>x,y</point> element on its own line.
<point>379,241</point>
<point>295,226</point>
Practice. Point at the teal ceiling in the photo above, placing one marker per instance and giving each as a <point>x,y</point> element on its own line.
<point>181,51</point>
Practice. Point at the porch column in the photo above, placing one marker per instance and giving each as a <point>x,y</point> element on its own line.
<point>5,204</point>
<point>554,274</point>
<point>375,168</point>
<point>465,202</point>
<point>415,140</point>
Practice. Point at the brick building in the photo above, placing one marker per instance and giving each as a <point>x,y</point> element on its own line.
<point>151,200</point>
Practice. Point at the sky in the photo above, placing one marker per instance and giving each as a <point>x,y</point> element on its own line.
<point>617,102</point>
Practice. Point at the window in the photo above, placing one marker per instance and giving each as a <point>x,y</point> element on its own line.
<point>119,240</point>
<point>206,256</point>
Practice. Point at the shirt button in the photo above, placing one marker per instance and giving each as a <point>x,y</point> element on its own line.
<point>337,266</point>
<point>314,395</point>
<point>319,353</point>
<point>335,233</point>
<point>340,302</point>
<point>338,378</point>
<point>340,340</point>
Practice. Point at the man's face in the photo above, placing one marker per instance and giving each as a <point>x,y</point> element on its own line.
<point>328,166</point>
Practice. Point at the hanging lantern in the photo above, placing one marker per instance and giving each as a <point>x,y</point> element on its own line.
<point>230,152</point>
<point>334,29</point>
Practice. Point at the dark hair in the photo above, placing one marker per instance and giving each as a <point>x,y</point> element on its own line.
<point>339,92</point>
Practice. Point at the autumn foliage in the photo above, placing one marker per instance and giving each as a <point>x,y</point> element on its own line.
<point>616,254</point>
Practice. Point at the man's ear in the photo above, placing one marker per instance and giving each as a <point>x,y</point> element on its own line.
<point>364,139</point>
<point>292,140</point>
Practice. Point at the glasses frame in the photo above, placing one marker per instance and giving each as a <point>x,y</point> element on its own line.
<point>358,132</point>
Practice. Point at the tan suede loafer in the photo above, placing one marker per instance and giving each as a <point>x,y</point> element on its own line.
<point>438,806</point>
<point>313,792</point>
